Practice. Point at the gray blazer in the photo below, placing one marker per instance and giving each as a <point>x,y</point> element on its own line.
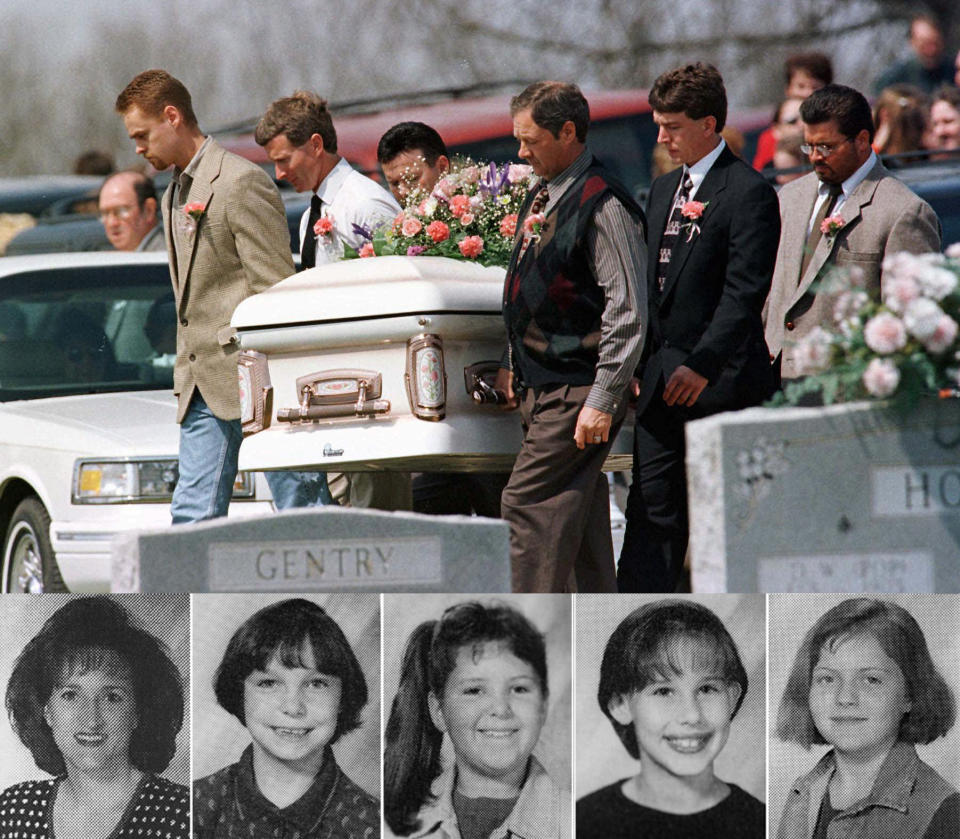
<point>882,216</point>
<point>239,247</point>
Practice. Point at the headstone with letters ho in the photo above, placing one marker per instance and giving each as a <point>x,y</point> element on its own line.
<point>326,549</point>
<point>848,498</point>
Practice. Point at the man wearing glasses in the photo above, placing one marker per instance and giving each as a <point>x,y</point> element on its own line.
<point>866,212</point>
<point>128,210</point>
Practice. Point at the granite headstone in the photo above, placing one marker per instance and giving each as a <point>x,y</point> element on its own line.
<point>327,549</point>
<point>850,498</point>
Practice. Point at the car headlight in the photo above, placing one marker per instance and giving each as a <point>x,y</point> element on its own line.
<point>256,392</point>
<point>133,481</point>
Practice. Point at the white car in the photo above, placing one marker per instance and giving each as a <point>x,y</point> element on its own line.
<point>385,363</point>
<point>88,433</point>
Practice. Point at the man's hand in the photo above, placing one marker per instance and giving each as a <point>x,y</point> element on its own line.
<point>684,387</point>
<point>593,427</point>
<point>504,383</point>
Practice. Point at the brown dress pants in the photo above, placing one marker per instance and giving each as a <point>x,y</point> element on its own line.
<point>556,501</point>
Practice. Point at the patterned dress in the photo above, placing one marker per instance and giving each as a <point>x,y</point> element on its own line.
<point>159,809</point>
<point>229,805</point>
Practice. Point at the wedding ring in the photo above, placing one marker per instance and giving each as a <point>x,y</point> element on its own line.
<point>597,438</point>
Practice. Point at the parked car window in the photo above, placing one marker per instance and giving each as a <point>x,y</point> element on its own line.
<point>103,329</point>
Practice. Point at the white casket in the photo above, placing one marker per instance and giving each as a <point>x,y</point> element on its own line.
<point>380,363</point>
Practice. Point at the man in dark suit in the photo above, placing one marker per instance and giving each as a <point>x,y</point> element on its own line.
<point>714,228</point>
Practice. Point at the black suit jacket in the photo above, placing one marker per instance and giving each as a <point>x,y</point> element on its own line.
<point>708,315</point>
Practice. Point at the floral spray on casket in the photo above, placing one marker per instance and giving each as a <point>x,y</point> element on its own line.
<point>471,214</point>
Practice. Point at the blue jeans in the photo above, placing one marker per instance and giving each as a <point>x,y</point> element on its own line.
<point>299,489</point>
<point>208,464</point>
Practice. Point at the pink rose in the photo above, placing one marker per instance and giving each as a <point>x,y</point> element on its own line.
<point>445,187</point>
<point>813,351</point>
<point>943,336</point>
<point>411,226</point>
<point>881,377</point>
<point>324,226</point>
<point>899,291</point>
<point>367,250</point>
<point>693,210</point>
<point>471,246</point>
<point>438,231</point>
<point>508,227</point>
<point>459,204</point>
<point>398,221</point>
<point>885,333</point>
<point>519,172</point>
<point>195,209</point>
<point>466,218</point>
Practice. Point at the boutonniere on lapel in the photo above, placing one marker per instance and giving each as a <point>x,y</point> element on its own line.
<point>323,227</point>
<point>831,226</point>
<point>192,213</point>
<point>692,210</point>
<point>533,226</point>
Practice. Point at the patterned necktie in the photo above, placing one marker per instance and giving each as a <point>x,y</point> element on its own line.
<point>536,206</point>
<point>816,234</point>
<point>672,230</point>
<point>308,251</point>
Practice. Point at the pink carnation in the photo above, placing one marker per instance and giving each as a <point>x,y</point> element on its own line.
<point>943,336</point>
<point>195,209</point>
<point>532,223</point>
<point>367,250</point>
<point>466,218</point>
<point>411,226</point>
<point>881,377</point>
<point>398,221</point>
<point>508,227</point>
<point>470,174</point>
<point>885,333</point>
<point>693,209</point>
<point>438,231</point>
<point>471,246</point>
<point>519,172</point>
<point>324,226</point>
<point>459,204</point>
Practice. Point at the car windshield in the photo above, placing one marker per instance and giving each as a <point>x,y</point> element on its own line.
<point>90,329</point>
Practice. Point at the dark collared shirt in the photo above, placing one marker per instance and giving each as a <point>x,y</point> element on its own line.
<point>229,805</point>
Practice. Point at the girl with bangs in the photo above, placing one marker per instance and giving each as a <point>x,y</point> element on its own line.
<point>671,682</point>
<point>98,702</point>
<point>863,682</point>
<point>476,677</point>
<point>291,678</point>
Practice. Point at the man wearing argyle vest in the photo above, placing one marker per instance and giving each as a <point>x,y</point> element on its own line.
<point>575,309</point>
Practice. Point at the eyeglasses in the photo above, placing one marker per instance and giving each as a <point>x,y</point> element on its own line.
<point>120,212</point>
<point>823,149</point>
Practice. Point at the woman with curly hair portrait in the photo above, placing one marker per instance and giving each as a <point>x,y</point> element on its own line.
<point>98,702</point>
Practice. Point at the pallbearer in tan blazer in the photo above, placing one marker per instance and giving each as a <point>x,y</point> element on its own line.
<point>227,238</point>
<point>880,217</point>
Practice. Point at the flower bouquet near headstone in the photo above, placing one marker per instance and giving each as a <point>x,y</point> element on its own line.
<point>471,214</point>
<point>898,347</point>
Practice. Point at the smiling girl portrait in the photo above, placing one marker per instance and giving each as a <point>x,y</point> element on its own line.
<point>293,711</point>
<point>864,685</point>
<point>98,702</point>
<point>469,752</point>
<point>671,684</point>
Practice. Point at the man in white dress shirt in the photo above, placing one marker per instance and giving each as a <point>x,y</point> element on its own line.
<point>298,134</point>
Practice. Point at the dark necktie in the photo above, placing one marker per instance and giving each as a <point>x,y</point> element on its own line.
<point>308,251</point>
<point>536,206</point>
<point>672,230</point>
<point>816,234</point>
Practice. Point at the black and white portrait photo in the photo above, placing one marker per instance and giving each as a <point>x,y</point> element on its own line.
<point>670,716</point>
<point>96,697</point>
<point>863,701</point>
<point>286,715</point>
<point>477,740</point>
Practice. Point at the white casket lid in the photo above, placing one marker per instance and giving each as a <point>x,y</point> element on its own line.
<point>379,286</point>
